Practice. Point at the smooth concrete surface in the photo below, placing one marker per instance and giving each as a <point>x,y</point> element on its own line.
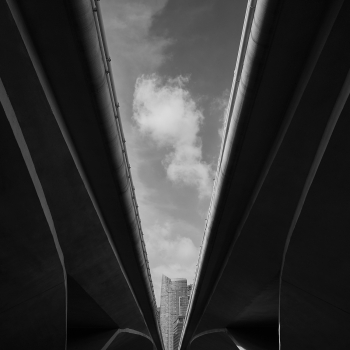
<point>80,308</point>
<point>89,116</point>
<point>44,306</point>
<point>275,263</point>
<point>296,65</point>
<point>271,88</point>
<point>88,255</point>
<point>317,262</point>
<point>32,285</point>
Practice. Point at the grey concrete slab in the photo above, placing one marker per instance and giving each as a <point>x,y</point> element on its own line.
<point>243,293</point>
<point>89,256</point>
<point>315,306</point>
<point>252,271</point>
<point>264,109</point>
<point>32,285</point>
<point>84,311</point>
<point>100,296</point>
<point>36,323</point>
<point>308,322</point>
<point>89,116</point>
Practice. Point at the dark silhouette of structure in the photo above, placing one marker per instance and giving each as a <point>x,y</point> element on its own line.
<point>274,267</point>
<point>74,270</point>
<point>178,326</point>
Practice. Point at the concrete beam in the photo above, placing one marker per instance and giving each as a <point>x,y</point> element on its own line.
<point>314,305</point>
<point>91,231</point>
<point>279,122</point>
<point>91,110</point>
<point>33,289</point>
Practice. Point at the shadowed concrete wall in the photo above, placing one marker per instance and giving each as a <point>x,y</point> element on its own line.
<point>74,270</point>
<point>32,274</point>
<point>273,269</point>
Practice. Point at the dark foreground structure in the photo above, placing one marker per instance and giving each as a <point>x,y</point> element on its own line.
<point>74,272</point>
<point>274,270</point>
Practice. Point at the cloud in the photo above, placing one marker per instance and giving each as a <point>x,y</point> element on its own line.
<point>135,51</point>
<point>169,253</point>
<point>164,245</point>
<point>133,48</point>
<point>219,107</point>
<point>165,111</point>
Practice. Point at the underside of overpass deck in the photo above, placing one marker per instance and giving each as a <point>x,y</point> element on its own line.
<point>275,265</point>
<point>74,272</point>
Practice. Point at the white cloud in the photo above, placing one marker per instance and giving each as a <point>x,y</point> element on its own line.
<point>163,245</point>
<point>133,49</point>
<point>169,253</point>
<point>219,107</point>
<point>166,112</point>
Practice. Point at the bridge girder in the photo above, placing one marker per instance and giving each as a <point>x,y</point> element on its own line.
<point>75,271</point>
<point>274,263</point>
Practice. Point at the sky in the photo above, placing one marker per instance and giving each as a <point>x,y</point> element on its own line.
<point>173,63</point>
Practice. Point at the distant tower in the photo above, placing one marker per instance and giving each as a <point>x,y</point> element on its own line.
<point>158,315</point>
<point>173,303</point>
<point>164,314</point>
<point>178,326</point>
<point>189,290</point>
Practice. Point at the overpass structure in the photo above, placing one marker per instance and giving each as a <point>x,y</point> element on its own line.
<point>74,270</point>
<point>274,265</point>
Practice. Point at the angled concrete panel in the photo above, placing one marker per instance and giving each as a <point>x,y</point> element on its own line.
<point>47,91</point>
<point>32,287</point>
<point>315,307</point>
<point>282,108</point>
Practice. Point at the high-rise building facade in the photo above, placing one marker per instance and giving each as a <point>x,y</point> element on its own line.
<point>178,326</point>
<point>158,315</point>
<point>173,303</point>
<point>189,291</point>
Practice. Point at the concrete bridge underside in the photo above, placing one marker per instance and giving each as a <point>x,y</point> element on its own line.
<point>275,264</point>
<point>74,274</point>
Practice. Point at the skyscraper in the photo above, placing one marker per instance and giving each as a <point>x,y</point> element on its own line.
<point>158,315</point>
<point>189,291</point>
<point>173,303</point>
<point>178,326</point>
